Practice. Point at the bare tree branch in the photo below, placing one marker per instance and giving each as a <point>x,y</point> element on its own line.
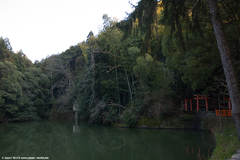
<point>110,67</point>
<point>189,12</point>
<point>118,105</point>
<point>98,108</point>
<point>109,53</point>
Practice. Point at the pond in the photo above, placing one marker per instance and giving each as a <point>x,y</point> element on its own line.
<point>62,140</point>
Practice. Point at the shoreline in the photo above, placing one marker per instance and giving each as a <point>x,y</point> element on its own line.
<point>223,129</point>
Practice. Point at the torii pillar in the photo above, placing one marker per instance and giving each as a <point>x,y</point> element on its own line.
<point>186,100</point>
<point>229,104</point>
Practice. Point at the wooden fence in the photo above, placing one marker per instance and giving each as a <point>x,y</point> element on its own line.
<point>223,113</point>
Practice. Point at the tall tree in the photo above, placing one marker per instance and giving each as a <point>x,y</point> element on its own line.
<point>231,77</point>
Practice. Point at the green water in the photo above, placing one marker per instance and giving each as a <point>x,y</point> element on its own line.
<point>65,141</point>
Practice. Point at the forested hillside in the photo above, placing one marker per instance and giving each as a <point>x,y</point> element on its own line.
<point>143,65</point>
<point>24,89</point>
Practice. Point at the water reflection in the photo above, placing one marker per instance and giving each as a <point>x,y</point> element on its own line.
<point>66,140</point>
<point>191,151</point>
<point>76,127</point>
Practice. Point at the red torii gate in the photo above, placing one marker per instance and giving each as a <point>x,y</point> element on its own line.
<point>197,97</point>
<point>218,112</point>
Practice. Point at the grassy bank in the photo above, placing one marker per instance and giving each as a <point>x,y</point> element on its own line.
<point>227,142</point>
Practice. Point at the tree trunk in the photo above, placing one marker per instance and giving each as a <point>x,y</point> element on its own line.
<point>93,73</point>
<point>119,109</point>
<point>232,83</point>
<point>157,39</point>
<point>130,92</point>
<point>51,84</point>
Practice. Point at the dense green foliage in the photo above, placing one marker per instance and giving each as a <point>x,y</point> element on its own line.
<point>143,65</point>
<point>24,89</point>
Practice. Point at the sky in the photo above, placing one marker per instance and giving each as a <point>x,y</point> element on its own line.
<point>41,28</point>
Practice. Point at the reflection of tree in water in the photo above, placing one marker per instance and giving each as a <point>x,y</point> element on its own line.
<point>16,138</point>
<point>110,143</point>
<point>109,139</point>
<point>56,140</point>
<point>157,143</point>
<point>35,139</point>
